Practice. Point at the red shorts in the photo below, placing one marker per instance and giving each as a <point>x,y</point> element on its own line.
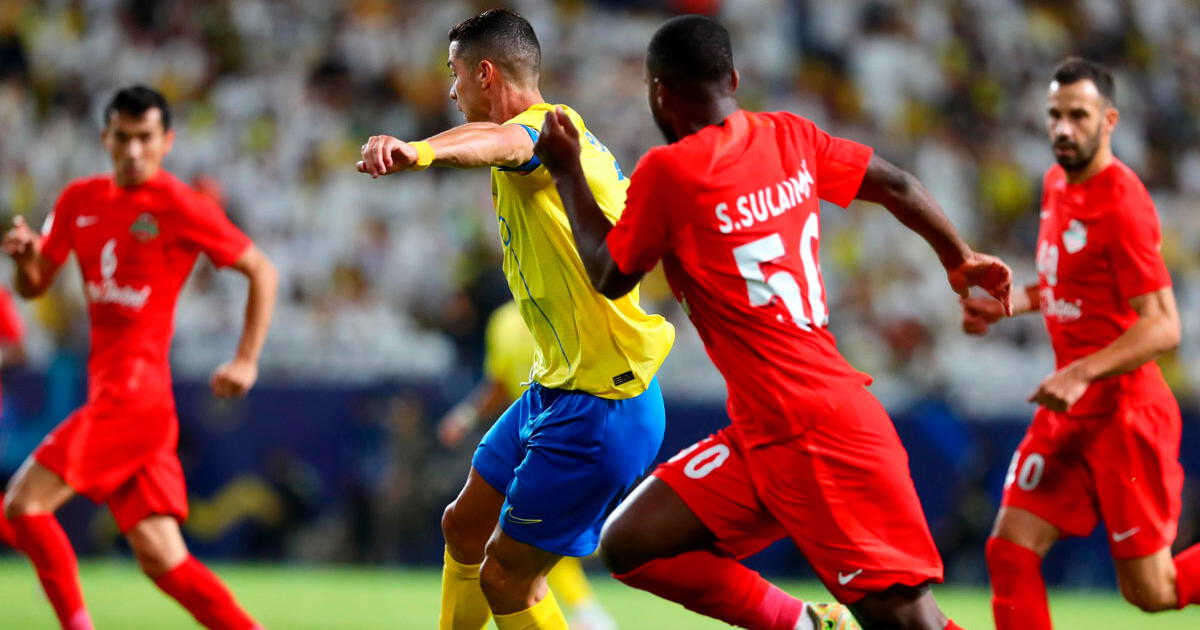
<point>1123,468</point>
<point>121,455</point>
<point>841,491</point>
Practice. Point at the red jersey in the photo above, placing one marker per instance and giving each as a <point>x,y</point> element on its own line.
<point>1098,246</point>
<point>136,247</point>
<point>12,329</point>
<point>732,211</point>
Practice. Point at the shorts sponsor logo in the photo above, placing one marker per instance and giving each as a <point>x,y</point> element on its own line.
<point>846,578</point>
<point>1120,536</point>
<point>508,516</point>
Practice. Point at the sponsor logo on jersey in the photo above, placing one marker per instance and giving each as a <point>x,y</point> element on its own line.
<point>86,220</point>
<point>108,291</point>
<point>622,378</point>
<point>1075,237</point>
<point>145,228</point>
<point>1059,308</point>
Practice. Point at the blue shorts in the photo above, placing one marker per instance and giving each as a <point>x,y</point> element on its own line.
<point>564,459</point>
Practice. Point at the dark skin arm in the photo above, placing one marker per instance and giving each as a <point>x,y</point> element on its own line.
<point>884,183</point>
<point>558,148</point>
<point>33,272</point>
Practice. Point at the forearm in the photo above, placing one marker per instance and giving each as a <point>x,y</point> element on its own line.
<point>260,306</point>
<point>31,278</point>
<point>914,207</point>
<point>590,229</point>
<point>1142,342</point>
<point>481,144</point>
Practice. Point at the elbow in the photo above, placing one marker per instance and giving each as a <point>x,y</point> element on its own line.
<point>29,291</point>
<point>1171,335</point>
<point>613,292</point>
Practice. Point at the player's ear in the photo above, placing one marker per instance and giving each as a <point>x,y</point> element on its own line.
<point>168,140</point>
<point>734,80</point>
<point>1111,116</point>
<point>486,71</point>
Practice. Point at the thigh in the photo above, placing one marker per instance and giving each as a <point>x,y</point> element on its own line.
<point>844,494</point>
<point>1049,477</point>
<point>713,482</point>
<point>1138,479</point>
<point>35,489</point>
<point>654,522</point>
<point>582,454</point>
<point>158,489</point>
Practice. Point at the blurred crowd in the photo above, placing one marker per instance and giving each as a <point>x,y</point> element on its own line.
<point>392,279</point>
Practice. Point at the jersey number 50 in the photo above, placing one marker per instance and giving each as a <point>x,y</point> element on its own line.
<point>763,289</point>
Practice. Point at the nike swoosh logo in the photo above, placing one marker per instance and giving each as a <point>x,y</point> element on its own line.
<point>846,578</point>
<point>1119,536</point>
<point>85,221</point>
<point>508,515</point>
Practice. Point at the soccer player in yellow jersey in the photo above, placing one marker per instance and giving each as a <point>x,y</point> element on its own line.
<point>508,353</point>
<point>591,422</point>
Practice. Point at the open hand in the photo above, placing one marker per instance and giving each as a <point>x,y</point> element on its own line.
<point>986,272</point>
<point>234,379</point>
<point>558,144</point>
<point>21,242</point>
<point>383,155</point>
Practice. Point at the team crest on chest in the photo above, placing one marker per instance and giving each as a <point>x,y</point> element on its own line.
<point>1075,236</point>
<point>145,228</point>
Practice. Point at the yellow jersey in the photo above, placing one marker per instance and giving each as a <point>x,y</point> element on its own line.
<point>584,341</point>
<point>508,350</point>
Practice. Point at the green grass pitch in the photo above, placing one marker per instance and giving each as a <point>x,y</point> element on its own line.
<point>298,597</point>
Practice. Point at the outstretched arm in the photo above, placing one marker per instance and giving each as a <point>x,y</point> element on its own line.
<point>33,271</point>
<point>979,313</point>
<point>1155,332</point>
<point>904,196</point>
<point>467,146</point>
<point>558,148</point>
<point>235,378</point>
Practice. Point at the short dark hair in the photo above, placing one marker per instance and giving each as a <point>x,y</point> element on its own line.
<point>503,37</point>
<point>136,100</point>
<point>690,48</point>
<point>1075,69</point>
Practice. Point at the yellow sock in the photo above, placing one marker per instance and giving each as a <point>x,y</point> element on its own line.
<point>463,605</point>
<point>544,615</point>
<point>568,581</point>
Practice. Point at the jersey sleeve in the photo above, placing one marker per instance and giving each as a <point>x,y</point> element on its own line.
<point>642,235</point>
<point>12,328</point>
<point>56,231</point>
<point>841,164</point>
<point>531,121</point>
<point>1135,248</point>
<point>205,227</point>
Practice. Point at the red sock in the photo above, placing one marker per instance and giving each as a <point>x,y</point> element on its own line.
<point>1187,576</point>
<point>44,542</point>
<point>718,587</point>
<point>950,625</point>
<point>1018,588</point>
<point>6,533</point>
<point>201,592</point>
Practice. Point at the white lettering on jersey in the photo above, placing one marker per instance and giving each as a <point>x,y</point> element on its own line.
<point>767,202</point>
<point>107,291</point>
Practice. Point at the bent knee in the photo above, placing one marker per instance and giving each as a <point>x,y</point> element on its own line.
<point>465,540</point>
<point>621,548</point>
<point>17,505</point>
<point>1156,598</point>
<point>156,562</point>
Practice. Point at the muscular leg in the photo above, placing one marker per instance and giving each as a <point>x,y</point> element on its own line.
<point>654,542</point>
<point>907,607</point>
<point>1019,540</point>
<point>33,496</point>
<point>513,575</point>
<point>467,524</point>
<point>163,556</point>
<point>1148,582</point>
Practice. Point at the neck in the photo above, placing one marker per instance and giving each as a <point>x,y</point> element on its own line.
<point>704,113</point>
<point>511,101</point>
<point>1103,158</point>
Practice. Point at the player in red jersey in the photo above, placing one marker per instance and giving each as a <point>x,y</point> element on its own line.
<point>1104,442</point>
<point>12,352</point>
<point>136,234</point>
<point>731,208</point>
